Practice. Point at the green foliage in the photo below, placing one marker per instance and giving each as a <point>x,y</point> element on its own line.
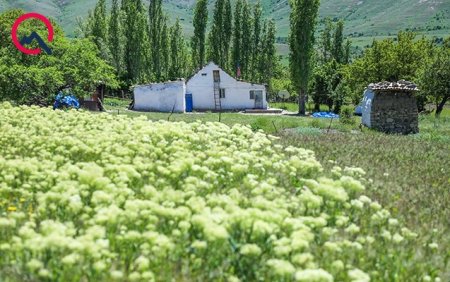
<point>301,41</point>
<point>115,37</point>
<point>237,51</point>
<point>37,79</point>
<point>220,34</point>
<point>332,54</point>
<point>388,60</point>
<point>199,38</point>
<point>246,42</point>
<point>346,115</point>
<point>435,79</point>
<point>135,45</point>
<point>178,53</point>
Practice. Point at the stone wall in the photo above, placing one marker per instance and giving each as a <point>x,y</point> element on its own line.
<point>394,111</point>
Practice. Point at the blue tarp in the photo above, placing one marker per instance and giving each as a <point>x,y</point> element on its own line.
<point>325,115</point>
<point>66,101</point>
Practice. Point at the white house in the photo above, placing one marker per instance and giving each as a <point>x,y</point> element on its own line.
<point>213,89</point>
<point>161,97</point>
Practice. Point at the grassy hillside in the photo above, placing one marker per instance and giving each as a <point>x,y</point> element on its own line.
<point>364,19</point>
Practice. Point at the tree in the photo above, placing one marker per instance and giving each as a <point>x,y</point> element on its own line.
<point>326,41</point>
<point>37,79</point>
<point>256,41</point>
<point>218,35</point>
<point>435,79</point>
<point>134,24</point>
<point>268,58</point>
<point>237,37</point>
<point>178,53</point>
<point>246,42</point>
<point>115,37</point>
<point>347,52</point>
<point>227,33</point>
<point>164,52</point>
<point>99,23</point>
<point>388,60</point>
<point>338,43</point>
<point>157,35</point>
<point>301,41</point>
<point>199,38</point>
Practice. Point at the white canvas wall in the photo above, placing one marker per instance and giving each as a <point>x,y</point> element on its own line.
<point>366,106</point>
<point>160,97</point>
<point>237,93</point>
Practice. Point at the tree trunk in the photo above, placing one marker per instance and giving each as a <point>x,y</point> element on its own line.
<point>317,107</point>
<point>302,102</point>
<point>440,106</point>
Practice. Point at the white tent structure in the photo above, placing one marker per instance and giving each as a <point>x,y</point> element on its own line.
<point>161,97</point>
<point>213,89</point>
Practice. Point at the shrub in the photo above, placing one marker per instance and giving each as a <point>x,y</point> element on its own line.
<point>346,115</point>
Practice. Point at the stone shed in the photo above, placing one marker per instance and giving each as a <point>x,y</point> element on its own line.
<point>391,107</point>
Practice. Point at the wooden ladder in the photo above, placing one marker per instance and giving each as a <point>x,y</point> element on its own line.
<point>217,101</point>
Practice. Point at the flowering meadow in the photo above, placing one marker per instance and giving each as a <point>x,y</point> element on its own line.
<point>99,197</point>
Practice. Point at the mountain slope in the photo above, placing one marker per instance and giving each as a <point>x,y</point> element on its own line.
<point>364,18</point>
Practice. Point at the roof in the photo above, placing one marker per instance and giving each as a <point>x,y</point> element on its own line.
<point>211,62</point>
<point>401,85</point>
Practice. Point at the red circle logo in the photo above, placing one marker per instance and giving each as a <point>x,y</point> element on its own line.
<point>23,18</point>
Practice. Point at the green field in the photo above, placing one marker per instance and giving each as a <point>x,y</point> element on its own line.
<point>409,174</point>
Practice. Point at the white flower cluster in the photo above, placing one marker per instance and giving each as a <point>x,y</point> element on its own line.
<point>89,197</point>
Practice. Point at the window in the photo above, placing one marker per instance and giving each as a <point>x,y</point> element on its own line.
<point>216,75</point>
<point>222,93</point>
<point>254,93</point>
<point>204,74</point>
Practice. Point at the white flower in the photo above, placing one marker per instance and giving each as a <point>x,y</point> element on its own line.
<point>281,267</point>
<point>313,275</point>
<point>356,275</point>
<point>250,250</point>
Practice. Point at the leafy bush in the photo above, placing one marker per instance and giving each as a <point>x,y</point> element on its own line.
<point>346,115</point>
<point>102,197</point>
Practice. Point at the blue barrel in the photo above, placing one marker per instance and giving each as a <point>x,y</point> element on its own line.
<point>189,103</point>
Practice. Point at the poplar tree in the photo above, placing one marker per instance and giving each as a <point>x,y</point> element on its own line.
<point>99,24</point>
<point>237,37</point>
<point>338,43</point>
<point>303,19</point>
<point>268,58</point>
<point>115,37</point>
<point>227,23</point>
<point>246,40</point>
<point>256,41</point>
<point>178,53</point>
<point>134,26</point>
<point>216,35</point>
<point>157,27</point>
<point>326,40</point>
<point>199,38</point>
<point>164,51</point>
<point>347,52</point>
